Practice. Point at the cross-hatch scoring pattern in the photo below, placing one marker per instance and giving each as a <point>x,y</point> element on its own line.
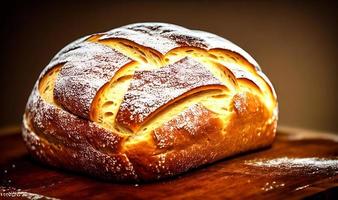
<point>233,72</point>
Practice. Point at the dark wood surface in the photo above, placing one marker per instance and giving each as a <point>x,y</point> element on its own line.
<point>299,164</point>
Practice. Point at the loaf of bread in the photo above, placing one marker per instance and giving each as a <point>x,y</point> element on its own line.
<point>148,101</point>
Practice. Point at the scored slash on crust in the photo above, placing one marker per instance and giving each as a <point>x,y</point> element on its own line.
<point>152,91</point>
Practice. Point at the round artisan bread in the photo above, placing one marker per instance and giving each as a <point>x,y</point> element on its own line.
<point>148,101</point>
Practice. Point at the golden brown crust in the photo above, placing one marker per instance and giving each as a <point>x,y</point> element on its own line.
<point>216,102</point>
<point>185,142</point>
<point>65,140</point>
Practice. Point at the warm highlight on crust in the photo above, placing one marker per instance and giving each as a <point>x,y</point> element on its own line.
<point>84,112</point>
<point>162,88</point>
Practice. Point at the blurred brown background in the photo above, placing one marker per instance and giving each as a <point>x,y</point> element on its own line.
<point>295,42</point>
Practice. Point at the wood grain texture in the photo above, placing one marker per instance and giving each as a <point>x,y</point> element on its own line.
<point>297,165</point>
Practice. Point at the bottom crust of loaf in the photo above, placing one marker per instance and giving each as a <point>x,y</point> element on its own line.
<point>60,139</point>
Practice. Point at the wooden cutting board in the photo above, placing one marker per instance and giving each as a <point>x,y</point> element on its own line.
<point>299,164</point>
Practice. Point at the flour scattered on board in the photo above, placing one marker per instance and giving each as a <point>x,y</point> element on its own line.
<point>285,163</point>
<point>9,192</point>
<point>272,185</point>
